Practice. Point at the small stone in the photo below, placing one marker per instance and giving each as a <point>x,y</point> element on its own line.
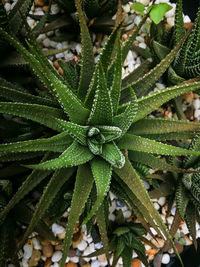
<point>111,217</point>
<point>137,20</point>
<point>54,9</point>
<point>102,259</point>
<point>170,220</point>
<point>153,231</point>
<point>36,255</point>
<point>156,206</point>
<point>126,8</point>
<point>159,242</point>
<point>27,251</point>
<point>173,211</point>
<point>170,21</point>
<point>143,45</point>
<point>48,262</point>
<point>145,2</point>
<point>82,245</point>
<point>71,264</point>
<point>36,243</point>
<point>165,258</point>
<point>58,247</point>
<point>161,201</point>
<point>47,250</point>
<point>86,265</point>
<point>39,13</point>
<point>57,255</point>
<point>196,103</point>
<point>136,263</point>
<point>119,203</point>
<point>151,251</point>
<point>24,262</point>
<point>60,71</point>
<point>46,42</point>
<point>7,7</point>
<point>74,259</point>
<point>57,229</point>
<point>39,3</point>
<point>187,19</point>
<point>95,263</point>
<point>127,214</point>
<point>188,242</point>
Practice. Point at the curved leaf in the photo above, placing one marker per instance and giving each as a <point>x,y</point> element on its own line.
<point>112,154</point>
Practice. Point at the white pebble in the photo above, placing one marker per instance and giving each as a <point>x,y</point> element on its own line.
<point>7,7</point>
<point>120,260</point>
<point>130,27</point>
<point>27,251</point>
<point>196,103</point>
<point>111,217</point>
<point>165,258</point>
<point>36,244</point>
<point>95,263</point>
<point>171,12</point>
<point>137,20</point>
<point>127,214</point>
<point>24,262</point>
<point>126,8</point>
<point>57,255</point>
<point>170,219</point>
<point>170,21</point>
<point>140,39</point>
<point>59,46</point>
<point>156,206</point>
<point>57,229</point>
<point>161,201</point>
<point>145,2</point>
<point>39,13</point>
<point>198,233</point>
<point>187,19</point>
<point>78,48</point>
<point>160,86</point>
<point>30,22</point>
<point>143,45</point>
<point>13,4</point>
<point>146,185</point>
<point>46,42</point>
<point>54,9</point>
<point>41,37</point>
<point>131,66</point>
<point>98,245</point>
<point>60,55</point>
<point>74,259</point>
<point>82,245</point>
<point>138,60</point>
<point>153,231</point>
<point>173,211</point>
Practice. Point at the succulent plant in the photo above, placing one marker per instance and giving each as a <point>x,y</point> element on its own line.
<point>186,62</point>
<point>90,136</point>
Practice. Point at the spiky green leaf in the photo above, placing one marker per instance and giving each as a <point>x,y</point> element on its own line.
<point>112,154</point>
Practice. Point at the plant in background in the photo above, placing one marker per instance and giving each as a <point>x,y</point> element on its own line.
<point>89,136</point>
<point>157,11</point>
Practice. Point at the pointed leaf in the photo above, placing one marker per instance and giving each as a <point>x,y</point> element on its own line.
<point>83,186</point>
<point>56,143</point>
<point>125,119</point>
<point>147,104</point>
<point>138,143</point>
<point>112,154</point>
<point>130,177</point>
<point>101,171</point>
<point>54,185</point>
<point>164,129</point>
<point>102,107</point>
<point>75,155</point>
<point>33,112</point>
<point>179,23</point>
<point>87,61</point>
<point>78,132</point>
<point>116,84</point>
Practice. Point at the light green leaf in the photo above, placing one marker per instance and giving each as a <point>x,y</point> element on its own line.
<point>138,7</point>
<point>75,155</point>
<point>101,171</point>
<point>83,186</point>
<point>158,11</point>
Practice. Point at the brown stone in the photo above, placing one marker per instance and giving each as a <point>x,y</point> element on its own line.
<point>36,255</point>
<point>44,8</point>
<point>136,263</point>
<point>39,3</point>
<point>56,65</point>
<point>86,265</point>
<point>44,242</point>
<point>48,263</point>
<point>47,251</point>
<point>59,247</point>
<point>60,71</point>
<point>71,264</point>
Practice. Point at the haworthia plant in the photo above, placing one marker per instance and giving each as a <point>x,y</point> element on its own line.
<point>89,132</point>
